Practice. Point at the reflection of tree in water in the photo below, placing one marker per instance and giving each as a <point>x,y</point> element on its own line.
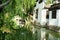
<point>54,35</point>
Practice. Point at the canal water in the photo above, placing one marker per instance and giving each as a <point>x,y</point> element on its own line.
<point>46,34</point>
<point>24,34</point>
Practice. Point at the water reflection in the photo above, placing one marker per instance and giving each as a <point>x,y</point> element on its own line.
<point>45,34</point>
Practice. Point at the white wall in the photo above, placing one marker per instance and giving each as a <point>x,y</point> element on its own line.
<point>42,16</point>
<point>39,15</point>
<point>43,34</point>
<point>58,17</point>
<point>40,8</point>
<point>52,22</point>
<point>41,5</point>
<point>34,15</point>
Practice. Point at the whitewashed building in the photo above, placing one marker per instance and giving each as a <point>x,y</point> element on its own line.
<point>47,16</point>
<point>40,12</point>
<point>54,15</point>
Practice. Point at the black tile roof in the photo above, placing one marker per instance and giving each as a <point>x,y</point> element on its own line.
<point>54,7</point>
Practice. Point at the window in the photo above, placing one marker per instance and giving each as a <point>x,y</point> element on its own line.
<point>54,14</point>
<point>47,16</point>
<point>58,0</point>
<point>36,13</point>
<point>35,5</point>
<point>40,1</point>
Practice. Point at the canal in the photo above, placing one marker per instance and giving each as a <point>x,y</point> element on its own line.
<point>46,34</point>
<point>24,34</point>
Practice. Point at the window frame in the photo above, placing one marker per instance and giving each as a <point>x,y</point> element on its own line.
<point>53,14</point>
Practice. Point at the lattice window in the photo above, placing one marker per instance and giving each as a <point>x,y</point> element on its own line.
<point>54,14</point>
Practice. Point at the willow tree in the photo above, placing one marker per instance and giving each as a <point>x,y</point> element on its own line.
<point>28,5</point>
<point>49,1</point>
<point>24,7</point>
<point>16,7</point>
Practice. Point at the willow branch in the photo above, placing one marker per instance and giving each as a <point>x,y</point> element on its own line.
<point>4,4</point>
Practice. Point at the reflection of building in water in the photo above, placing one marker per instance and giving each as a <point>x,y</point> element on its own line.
<point>43,34</point>
<point>54,36</point>
<point>37,34</point>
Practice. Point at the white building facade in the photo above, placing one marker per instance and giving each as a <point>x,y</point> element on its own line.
<point>53,14</point>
